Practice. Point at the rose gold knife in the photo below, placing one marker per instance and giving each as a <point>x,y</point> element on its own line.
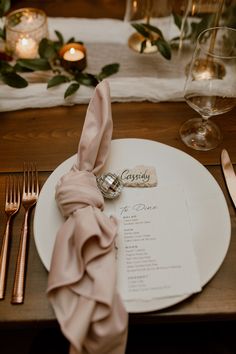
<point>229,174</point>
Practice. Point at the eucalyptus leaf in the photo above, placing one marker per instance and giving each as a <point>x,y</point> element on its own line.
<point>147,30</point>
<point>177,20</point>
<point>4,6</point>
<point>13,79</point>
<point>41,64</point>
<point>57,80</point>
<point>57,47</point>
<point>163,47</point>
<point>71,89</point>
<point>230,16</point>
<point>193,29</point>
<point>175,38</point>
<point>47,49</point>
<point>143,46</point>
<point>5,67</point>
<point>3,33</point>
<point>206,22</point>
<point>139,27</point>
<point>154,29</point>
<point>21,69</point>
<point>86,79</point>
<point>108,70</point>
<point>60,37</point>
<point>71,40</point>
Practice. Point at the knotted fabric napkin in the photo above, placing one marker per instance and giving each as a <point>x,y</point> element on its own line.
<point>82,277</point>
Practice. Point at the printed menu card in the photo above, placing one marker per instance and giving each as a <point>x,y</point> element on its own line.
<point>155,252</point>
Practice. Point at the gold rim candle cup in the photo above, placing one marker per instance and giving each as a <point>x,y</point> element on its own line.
<point>25,28</point>
<point>73,56</point>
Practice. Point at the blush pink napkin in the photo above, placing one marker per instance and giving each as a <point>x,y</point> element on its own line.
<point>82,277</point>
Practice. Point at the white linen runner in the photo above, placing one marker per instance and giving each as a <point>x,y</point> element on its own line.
<point>140,77</point>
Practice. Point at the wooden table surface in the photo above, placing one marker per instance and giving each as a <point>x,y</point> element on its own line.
<point>49,136</point>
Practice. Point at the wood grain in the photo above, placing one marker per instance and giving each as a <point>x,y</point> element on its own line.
<point>75,8</point>
<point>50,135</point>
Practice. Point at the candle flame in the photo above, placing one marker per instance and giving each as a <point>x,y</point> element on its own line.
<point>72,51</point>
<point>193,9</point>
<point>24,41</point>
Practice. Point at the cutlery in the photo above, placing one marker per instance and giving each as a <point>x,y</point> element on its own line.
<point>229,174</point>
<point>12,205</point>
<point>30,194</point>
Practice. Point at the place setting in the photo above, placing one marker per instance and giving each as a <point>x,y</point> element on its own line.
<point>135,222</point>
<point>155,263</point>
<point>180,182</point>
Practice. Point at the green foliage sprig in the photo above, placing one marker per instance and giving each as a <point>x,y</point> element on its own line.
<point>193,29</point>
<point>11,74</point>
<point>5,6</point>
<point>155,37</point>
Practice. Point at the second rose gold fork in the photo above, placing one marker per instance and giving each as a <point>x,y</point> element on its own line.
<point>30,194</point>
<point>12,205</point>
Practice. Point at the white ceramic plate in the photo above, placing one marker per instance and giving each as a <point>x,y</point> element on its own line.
<point>209,212</point>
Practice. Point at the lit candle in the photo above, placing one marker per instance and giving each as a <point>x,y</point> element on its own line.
<point>206,69</point>
<point>25,28</point>
<point>26,48</point>
<point>73,56</point>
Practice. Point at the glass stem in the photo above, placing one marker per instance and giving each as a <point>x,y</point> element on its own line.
<point>202,129</point>
<point>204,120</point>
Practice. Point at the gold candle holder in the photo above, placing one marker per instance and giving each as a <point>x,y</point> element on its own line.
<point>145,12</point>
<point>73,56</point>
<point>25,28</point>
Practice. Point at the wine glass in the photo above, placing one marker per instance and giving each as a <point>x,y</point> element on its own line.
<point>210,87</point>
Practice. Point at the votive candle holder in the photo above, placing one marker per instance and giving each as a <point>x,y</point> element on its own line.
<point>25,28</point>
<point>73,56</point>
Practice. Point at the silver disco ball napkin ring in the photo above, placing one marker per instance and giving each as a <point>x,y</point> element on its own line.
<point>110,185</point>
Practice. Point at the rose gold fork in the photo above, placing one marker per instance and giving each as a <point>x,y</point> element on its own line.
<point>30,194</point>
<point>12,205</point>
